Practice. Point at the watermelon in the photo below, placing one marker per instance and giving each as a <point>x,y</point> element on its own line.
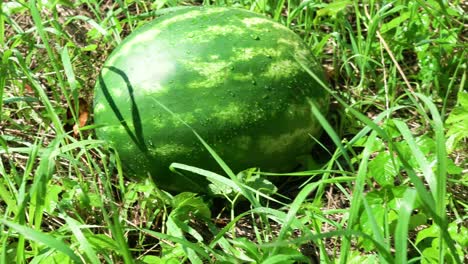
<point>231,75</point>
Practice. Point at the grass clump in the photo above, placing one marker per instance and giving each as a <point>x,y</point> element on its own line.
<point>387,182</point>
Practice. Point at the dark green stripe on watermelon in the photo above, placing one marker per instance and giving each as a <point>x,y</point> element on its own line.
<point>231,74</point>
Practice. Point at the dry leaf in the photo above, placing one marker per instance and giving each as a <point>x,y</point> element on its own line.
<point>82,117</point>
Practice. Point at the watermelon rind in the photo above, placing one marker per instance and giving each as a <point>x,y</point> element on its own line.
<point>232,75</point>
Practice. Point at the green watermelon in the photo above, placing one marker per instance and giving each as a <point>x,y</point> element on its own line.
<point>230,74</point>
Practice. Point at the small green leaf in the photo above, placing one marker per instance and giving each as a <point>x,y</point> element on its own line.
<point>189,202</point>
<point>333,8</point>
<point>430,232</point>
<point>396,22</point>
<point>382,169</point>
<point>253,179</point>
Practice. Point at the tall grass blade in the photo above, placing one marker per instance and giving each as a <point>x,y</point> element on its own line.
<point>43,238</point>
<point>36,16</point>
<point>376,230</point>
<point>357,194</point>
<point>218,159</point>
<point>56,121</point>
<point>196,248</point>
<point>83,242</point>
<point>330,131</point>
<point>401,232</point>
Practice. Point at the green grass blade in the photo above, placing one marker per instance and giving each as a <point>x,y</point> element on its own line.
<point>441,177</point>
<point>376,230</point>
<point>283,258</point>
<point>69,73</point>
<point>58,126</point>
<point>419,156</point>
<point>357,194</point>
<point>330,131</point>
<point>43,238</point>
<point>196,248</point>
<point>294,208</point>
<point>218,159</point>
<point>83,242</point>
<point>36,16</point>
<point>223,180</point>
<point>401,232</point>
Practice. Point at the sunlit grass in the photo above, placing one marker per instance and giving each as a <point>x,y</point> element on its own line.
<point>384,184</point>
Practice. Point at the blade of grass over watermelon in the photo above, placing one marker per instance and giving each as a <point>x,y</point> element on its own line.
<point>222,164</point>
<point>137,135</point>
<point>216,178</point>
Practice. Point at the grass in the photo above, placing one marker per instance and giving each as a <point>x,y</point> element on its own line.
<point>386,183</point>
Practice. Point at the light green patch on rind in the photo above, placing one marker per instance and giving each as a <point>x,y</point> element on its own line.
<point>167,120</point>
<point>232,113</point>
<point>296,48</point>
<point>282,69</point>
<point>242,142</point>
<point>149,80</point>
<point>99,107</point>
<point>223,30</point>
<point>262,24</point>
<point>192,15</point>
<point>214,72</point>
<point>243,77</point>
<point>116,92</point>
<point>148,88</point>
<point>274,145</point>
<point>170,150</point>
<point>188,118</point>
<point>210,33</point>
<point>246,54</point>
<point>143,37</point>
